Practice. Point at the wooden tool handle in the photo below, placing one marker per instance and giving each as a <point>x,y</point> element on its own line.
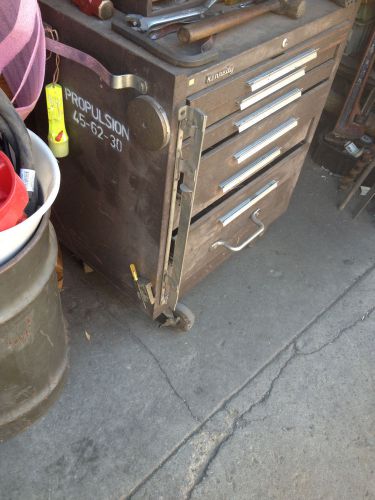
<point>204,29</point>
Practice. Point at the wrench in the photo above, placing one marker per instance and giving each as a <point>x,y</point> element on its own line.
<point>144,24</point>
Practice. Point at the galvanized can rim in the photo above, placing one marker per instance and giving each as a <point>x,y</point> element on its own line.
<point>33,241</point>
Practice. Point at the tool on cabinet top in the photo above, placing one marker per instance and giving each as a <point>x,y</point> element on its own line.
<point>103,9</point>
<point>196,25</point>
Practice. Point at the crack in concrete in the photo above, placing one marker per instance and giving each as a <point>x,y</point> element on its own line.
<point>256,420</point>
<point>241,418</point>
<point>362,319</point>
<point>292,343</point>
<point>168,380</point>
<point>156,360</point>
<point>154,357</point>
<point>237,424</point>
<point>196,431</point>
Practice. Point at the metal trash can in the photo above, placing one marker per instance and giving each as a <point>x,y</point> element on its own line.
<point>33,341</point>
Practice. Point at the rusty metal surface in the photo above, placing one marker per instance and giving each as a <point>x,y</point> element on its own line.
<point>115,198</point>
<point>152,7</point>
<point>236,17</point>
<point>349,122</point>
<point>174,57</point>
<point>245,46</point>
<point>33,343</point>
<point>149,123</point>
<point>110,211</point>
<point>365,165</point>
<point>187,165</point>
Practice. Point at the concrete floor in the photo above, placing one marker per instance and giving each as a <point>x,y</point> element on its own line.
<point>271,396</point>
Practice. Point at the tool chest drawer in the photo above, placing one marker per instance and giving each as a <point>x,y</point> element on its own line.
<point>249,116</point>
<point>239,155</point>
<point>230,222</point>
<point>261,82</point>
<point>223,181</point>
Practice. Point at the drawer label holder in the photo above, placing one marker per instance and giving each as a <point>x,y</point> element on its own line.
<point>283,69</point>
<point>265,140</point>
<point>268,110</point>
<point>271,89</point>
<point>248,203</point>
<point>241,209</point>
<point>250,170</point>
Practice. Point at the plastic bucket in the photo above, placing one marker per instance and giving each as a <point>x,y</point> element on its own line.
<point>48,174</point>
<point>13,195</point>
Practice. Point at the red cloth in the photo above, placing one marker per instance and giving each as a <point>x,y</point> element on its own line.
<point>22,51</point>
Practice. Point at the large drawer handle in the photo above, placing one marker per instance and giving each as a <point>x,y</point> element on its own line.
<point>270,109</point>
<point>249,170</point>
<point>283,69</point>
<point>248,203</point>
<point>117,82</point>
<point>258,222</point>
<point>271,89</point>
<point>265,140</point>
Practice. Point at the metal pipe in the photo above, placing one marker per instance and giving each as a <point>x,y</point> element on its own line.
<point>358,184</point>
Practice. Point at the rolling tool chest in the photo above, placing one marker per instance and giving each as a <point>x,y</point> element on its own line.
<point>173,168</point>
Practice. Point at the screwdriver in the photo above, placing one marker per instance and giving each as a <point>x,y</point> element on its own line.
<point>134,273</point>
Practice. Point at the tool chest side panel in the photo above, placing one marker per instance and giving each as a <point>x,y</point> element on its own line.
<point>113,205</point>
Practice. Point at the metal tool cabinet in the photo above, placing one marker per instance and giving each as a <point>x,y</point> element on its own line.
<point>179,180</point>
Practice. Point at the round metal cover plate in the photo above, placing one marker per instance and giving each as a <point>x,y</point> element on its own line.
<point>148,123</point>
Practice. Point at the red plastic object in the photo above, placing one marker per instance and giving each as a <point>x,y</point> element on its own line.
<point>103,9</point>
<point>13,195</point>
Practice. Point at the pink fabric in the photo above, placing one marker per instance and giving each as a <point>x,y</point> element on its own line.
<point>22,51</point>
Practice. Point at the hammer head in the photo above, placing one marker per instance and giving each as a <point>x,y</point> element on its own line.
<point>292,8</point>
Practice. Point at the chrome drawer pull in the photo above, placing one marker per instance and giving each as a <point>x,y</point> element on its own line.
<point>259,96</point>
<point>261,226</point>
<point>265,140</point>
<point>250,170</point>
<point>283,69</point>
<point>268,110</point>
<point>248,203</point>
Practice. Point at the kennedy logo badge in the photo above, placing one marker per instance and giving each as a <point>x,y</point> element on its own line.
<point>227,71</point>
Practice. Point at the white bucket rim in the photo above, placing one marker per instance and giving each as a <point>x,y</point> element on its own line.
<point>54,191</point>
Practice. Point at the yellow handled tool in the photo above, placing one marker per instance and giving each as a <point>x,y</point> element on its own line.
<point>134,274</point>
<point>58,139</point>
<point>133,270</point>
